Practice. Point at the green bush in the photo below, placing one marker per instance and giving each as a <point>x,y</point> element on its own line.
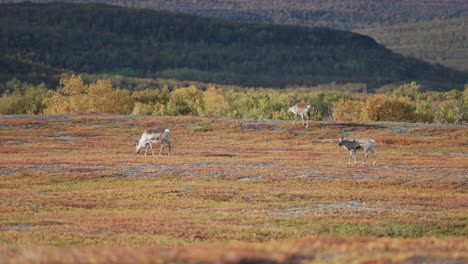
<point>185,101</point>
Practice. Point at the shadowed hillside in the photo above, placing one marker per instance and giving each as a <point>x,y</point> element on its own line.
<point>342,14</point>
<point>444,42</point>
<point>138,42</point>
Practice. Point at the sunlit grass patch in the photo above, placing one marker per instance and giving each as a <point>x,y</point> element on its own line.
<point>202,128</point>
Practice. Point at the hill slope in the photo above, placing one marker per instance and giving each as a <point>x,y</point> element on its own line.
<point>136,42</point>
<point>444,42</point>
<point>342,14</point>
<point>358,15</point>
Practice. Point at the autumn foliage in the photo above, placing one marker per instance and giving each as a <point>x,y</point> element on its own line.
<point>406,103</point>
<point>75,97</point>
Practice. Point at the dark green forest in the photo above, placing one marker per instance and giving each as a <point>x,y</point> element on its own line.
<point>340,14</point>
<point>439,41</point>
<point>40,41</point>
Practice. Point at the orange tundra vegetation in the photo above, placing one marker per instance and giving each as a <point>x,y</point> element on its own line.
<point>73,190</point>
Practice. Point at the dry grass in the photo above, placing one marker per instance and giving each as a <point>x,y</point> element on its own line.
<point>74,191</point>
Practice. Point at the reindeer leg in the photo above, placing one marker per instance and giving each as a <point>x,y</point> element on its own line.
<point>146,149</point>
<point>152,150</point>
<point>354,154</point>
<point>375,157</point>
<point>295,118</point>
<point>161,148</point>
<point>350,156</point>
<point>365,157</point>
<point>170,151</point>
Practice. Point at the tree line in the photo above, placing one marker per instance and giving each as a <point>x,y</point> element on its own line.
<point>406,103</point>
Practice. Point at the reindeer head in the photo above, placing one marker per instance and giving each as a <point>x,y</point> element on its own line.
<point>137,149</point>
<point>340,140</point>
<point>139,144</point>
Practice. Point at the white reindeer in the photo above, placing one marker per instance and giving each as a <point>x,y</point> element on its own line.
<point>352,145</point>
<point>303,110</point>
<point>150,137</point>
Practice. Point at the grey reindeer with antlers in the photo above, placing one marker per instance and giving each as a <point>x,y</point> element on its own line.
<point>365,144</point>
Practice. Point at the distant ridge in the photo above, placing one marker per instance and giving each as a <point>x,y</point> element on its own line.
<point>340,14</point>
<point>96,38</point>
<point>439,41</point>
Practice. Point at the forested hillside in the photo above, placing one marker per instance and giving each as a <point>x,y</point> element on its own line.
<point>441,41</point>
<point>403,25</point>
<point>137,42</point>
<point>343,14</point>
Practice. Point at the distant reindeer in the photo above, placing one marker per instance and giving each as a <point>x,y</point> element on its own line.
<point>301,109</point>
<point>150,137</point>
<point>352,145</point>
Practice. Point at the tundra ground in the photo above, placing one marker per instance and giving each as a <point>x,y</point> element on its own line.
<point>73,190</point>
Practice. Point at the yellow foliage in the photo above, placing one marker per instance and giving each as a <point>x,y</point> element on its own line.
<point>375,108</point>
<point>6,103</point>
<point>151,101</point>
<point>72,85</point>
<point>56,104</point>
<point>387,108</point>
<point>143,109</point>
<point>216,104</point>
<point>99,97</point>
<point>118,102</point>
<point>185,101</point>
<point>408,90</point>
<point>348,110</point>
<point>406,103</point>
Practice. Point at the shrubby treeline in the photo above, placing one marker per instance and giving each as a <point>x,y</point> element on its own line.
<point>405,103</point>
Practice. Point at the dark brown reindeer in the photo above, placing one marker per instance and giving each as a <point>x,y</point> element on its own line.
<point>352,145</point>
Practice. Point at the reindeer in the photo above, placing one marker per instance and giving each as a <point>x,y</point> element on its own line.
<point>352,145</point>
<point>150,137</point>
<point>301,109</point>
